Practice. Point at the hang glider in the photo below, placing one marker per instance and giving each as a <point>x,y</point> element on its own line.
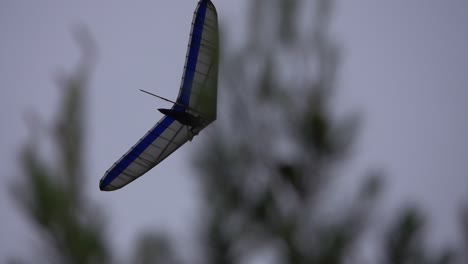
<point>194,109</point>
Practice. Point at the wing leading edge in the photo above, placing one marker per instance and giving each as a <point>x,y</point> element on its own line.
<point>197,97</point>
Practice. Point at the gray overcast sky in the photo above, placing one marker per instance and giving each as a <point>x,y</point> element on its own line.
<point>405,68</point>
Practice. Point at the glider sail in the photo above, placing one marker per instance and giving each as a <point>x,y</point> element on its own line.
<point>194,109</point>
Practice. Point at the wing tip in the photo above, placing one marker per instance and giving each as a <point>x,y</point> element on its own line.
<point>105,187</point>
<point>209,2</point>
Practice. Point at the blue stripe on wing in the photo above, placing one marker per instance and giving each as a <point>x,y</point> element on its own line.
<point>197,32</point>
<point>135,152</point>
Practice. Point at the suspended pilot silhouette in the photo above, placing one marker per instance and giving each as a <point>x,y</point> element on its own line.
<point>194,109</point>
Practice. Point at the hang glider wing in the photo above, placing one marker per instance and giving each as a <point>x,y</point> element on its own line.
<point>158,143</point>
<point>200,80</point>
<point>194,109</point>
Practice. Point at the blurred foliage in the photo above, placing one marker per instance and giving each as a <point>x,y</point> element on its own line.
<point>268,165</point>
<point>69,225</point>
<point>52,194</point>
<point>405,242</point>
<point>153,248</point>
<point>266,171</point>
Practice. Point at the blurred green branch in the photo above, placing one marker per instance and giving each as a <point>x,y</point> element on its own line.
<point>265,172</point>
<point>51,194</point>
<point>266,169</point>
